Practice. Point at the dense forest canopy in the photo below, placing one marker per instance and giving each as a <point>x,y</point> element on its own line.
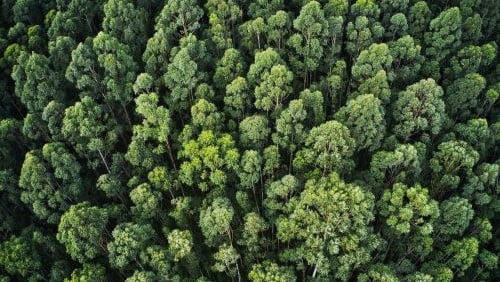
<point>249,140</point>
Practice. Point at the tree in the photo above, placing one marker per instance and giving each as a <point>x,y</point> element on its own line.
<point>185,72</point>
<point>327,148</point>
<point>312,224</point>
<point>11,143</point>
<point>254,131</point>
<point>36,85</point>
<point>89,128</point>
<point>290,132</point>
<point>89,272</point>
<point>141,276</point>
<point>370,61</point>
<point>279,26</point>
<point>129,239</point>
<point>274,88</point>
<point>156,56</point>
<point>180,243</point>
<point>223,16</point>
<point>419,17</point>
<point>269,271</point>
<point>18,256</point>
<point>364,117</point>
<point>409,210</point>
<point>250,173</point>
<point>226,260</point>
<point>237,99</point>
<point>151,139</point>
<point>469,60</point>
<point>125,22</point>
<point>460,254</point>
<point>119,70</point>
<point>59,50</point>
<point>82,231</point>
<point>278,195</point>
<point>53,114</point>
<point>272,161</point>
<point>476,133</point>
<point>179,18</point>
<point>252,239</point>
<point>379,272</point>
<point>209,161</point>
<point>263,62</point>
<point>471,27</point>
<point>398,26</point>
<point>311,27</point>
<point>252,33</point>
<point>333,86</point>
<point>263,8</point>
<point>456,214</point>
<point>461,96</point>
<point>50,181</point>
<point>480,186</point>
<point>378,86</point>
<point>361,34</point>
<point>83,69</point>
<point>313,104</point>
<point>335,13</point>
<point>451,163</point>
<point>442,38</point>
<point>228,68</point>
<point>204,115</point>
<point>75,19</point>
<point>367,8</point>
<point>146,202</point>
<point>159,261</point>
<point>400,165</point>
<point>215,222</point>
<point>407,60</point>
<point>419,109</point>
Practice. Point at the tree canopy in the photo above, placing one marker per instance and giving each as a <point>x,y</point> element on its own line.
<point>249,140</point>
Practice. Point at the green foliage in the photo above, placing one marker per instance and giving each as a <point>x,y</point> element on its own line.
<point>409,210</point>
<point>462,94</point>
<point>273,89</point>
<point>364,117</point>
<point>254,131</point>
<point>88,273</point>
<point>215,221</point>
<point>456,213</point>
<point>146,202</point>
<point>61,182</point>
<point>82,231</point>
<point>327,148</point>
<point>151,138</point>
<point>129,239</point>
<point>90,129</point>
<point>400,165</point>
<point>328,225</point>
<point>370,61</point>
<point>17,256</point>
<point>311,26</point>
<point>452,161</point>
<point>419,109</point>
<point>180,243</point>
<point>184,72</point>
<point>249,140</point>
<point>270,271</point>
<point>126,23</point>
<point>209,161</point>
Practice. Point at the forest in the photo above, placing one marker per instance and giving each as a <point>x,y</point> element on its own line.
<point>249,140</point>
